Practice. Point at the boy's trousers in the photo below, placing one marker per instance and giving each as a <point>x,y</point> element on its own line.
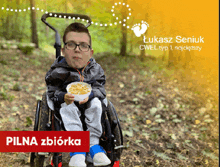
<point>71,119</point>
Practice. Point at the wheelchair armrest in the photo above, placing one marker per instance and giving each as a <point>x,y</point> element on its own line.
<point>49,102</point>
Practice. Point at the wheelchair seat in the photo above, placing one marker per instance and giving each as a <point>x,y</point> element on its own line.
<point>51,105</point>
<point>81,108</point>
<point>46,119</point>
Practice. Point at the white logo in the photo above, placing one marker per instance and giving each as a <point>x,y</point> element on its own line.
<point>136,28</point>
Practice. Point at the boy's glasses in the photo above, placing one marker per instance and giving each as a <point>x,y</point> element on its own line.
<point>82,46</point>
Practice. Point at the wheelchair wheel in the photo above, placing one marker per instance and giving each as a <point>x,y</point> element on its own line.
<point>41,120</point>
<point>116,131</point>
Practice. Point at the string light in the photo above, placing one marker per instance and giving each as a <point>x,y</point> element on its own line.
<point>117,17</point>
<point>78,18</point>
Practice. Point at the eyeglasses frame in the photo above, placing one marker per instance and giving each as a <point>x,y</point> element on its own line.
<point>78,46</point>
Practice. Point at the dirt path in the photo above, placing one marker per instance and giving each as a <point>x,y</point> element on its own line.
<point>164,123</point>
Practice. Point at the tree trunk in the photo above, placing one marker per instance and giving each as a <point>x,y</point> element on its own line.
<point>46,27</point>
<point>172,53</point>
<point>34,24</point>
<point>7,26</point>
<point>142,54</point>
<point>131,44</point>
<point>15,26</point>
<point>124,30</point>
<point>131,39</point>
<point>123,42</point>
<point>164,56</point>
<point>187,58</point>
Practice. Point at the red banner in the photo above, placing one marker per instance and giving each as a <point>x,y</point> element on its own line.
<point>44,141</point>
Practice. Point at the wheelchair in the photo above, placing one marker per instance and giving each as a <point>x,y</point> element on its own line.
<point>48,119</point>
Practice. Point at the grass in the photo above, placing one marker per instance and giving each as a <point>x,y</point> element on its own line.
<point>11,72</point>
<point>47,48</point>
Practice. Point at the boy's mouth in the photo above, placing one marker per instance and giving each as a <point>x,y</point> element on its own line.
<point>76,58</point>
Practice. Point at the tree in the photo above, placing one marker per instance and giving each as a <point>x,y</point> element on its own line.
<point>34,24</point>
<point>7,27</point>
<point>123,30</point>
<point>142,53</point>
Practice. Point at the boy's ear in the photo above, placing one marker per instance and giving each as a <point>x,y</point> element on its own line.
<point>91,52</point>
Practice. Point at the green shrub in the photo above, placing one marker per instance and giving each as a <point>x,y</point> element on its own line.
<point>17,87</point>
<point>4,95</point>
<point>27,48</point>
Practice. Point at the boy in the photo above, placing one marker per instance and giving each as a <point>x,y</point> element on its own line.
<point>78,65</point>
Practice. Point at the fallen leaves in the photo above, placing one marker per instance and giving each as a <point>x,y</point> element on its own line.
<point>26,106</point>
<point>155,112</point>
<point>148,121</point>
<point>197,122</point>
<point>121,85</point>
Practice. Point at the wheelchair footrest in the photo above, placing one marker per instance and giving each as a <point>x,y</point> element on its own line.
<point>118,147</point>
<point>43,153</point>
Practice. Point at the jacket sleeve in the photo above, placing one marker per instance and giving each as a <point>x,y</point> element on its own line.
<point>98,86</point>
<point>55,90</point>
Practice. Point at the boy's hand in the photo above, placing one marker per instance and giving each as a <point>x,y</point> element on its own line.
<point>84,101</point>
<point>68,98</point>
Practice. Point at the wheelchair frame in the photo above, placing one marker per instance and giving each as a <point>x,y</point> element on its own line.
<point>46,119</point>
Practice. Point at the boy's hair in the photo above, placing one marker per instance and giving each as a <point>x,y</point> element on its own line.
<point>77,27</point>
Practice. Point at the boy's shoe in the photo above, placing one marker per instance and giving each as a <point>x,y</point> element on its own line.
<point>100,159</point>
<point>98,155</point>
<point>77,160</point>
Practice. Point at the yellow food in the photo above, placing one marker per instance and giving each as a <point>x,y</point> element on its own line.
<point>79,89</point>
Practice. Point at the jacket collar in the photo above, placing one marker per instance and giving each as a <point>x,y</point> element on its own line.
<point>61,62</point>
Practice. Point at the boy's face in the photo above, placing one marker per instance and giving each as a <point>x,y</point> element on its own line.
<point>77,58</point>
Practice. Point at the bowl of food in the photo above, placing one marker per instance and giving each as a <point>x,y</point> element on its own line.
<point>80,90</point>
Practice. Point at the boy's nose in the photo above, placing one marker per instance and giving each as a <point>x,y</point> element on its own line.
<point>77,48</point>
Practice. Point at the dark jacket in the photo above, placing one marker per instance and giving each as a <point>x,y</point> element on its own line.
<point>60,75</point>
